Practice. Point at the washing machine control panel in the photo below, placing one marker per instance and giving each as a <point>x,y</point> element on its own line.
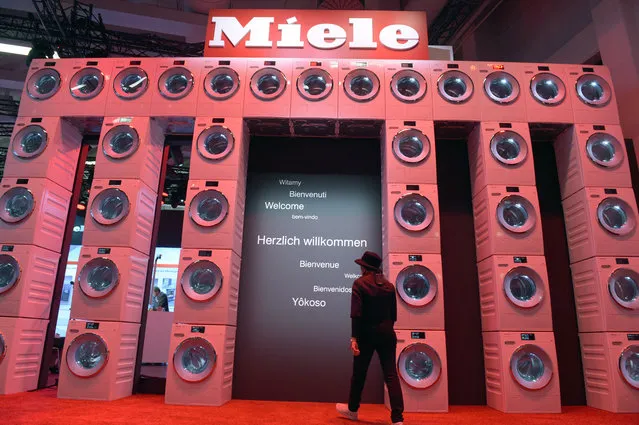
<point>197,329</point>
<point>633,337</point>
<point>418,335</point>
<point>7,248</point>
<point>520,260</point>
<point>414,257</point>
<point>527,337</point>
<point>205,253</point>
<point>104,251</point>
<point>92,325</point>
<point>622,261</point>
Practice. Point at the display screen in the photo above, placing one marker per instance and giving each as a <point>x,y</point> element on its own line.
<point>103,251</point>
<point>197,329</point>
<point>520,260</point>
<point>93,325</point>
<point>414,257</point>
<point>418,335</point>
<point>7,248</point>
<point>527,337</point>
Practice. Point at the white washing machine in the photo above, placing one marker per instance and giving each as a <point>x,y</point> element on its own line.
<point>132,84</point>
<point>547,97</point>
<point>410,94</point>
<point>457,91</point>
<point>593,95</point>
<point>268,92</point>
<point>41,95</point>
<point>361,95</point>
<point>408,152</point>
<point>315,92</point>
<point>502,99</point>
<point>86,88</point>
<point>222,90</point>
<point>176,91</point>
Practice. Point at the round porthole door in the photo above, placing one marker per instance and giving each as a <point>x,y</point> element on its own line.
<point>629,365</point>
<point>86,84</point>
<point>202,280</point>
<point>215,143</point>
<point>268,84</point>
<point>221,83</point>
<point>604,150</point>
<point>524,287</point>
<point>131,83</point>
<point>414,212</point>
<point>419,366</point>
<point>501,87</point>
<point>3,347</point>
<point>176,83</point>
<point>30,142</point>
<point>120,142</point>
<point>516,214</point>
<point>110,206</point>
<point>98,277</point>
<point>531,367</point>
<point>547,89</point>
<point>411,146</point>
<point>87,355</point>
<point>194,359</point>
<point>623,286</point>
<point>455,86</point>
<point>509,148</point>
<point>408,86</point>
<point>9,273</point>
<point>208,208</point>
<point>416,285</point>
<point>43,84</point>
<point>593,90</point>
<point>361,85</point>
<point>314,84</point>
<point>17,204</point>
<point>616,216</point>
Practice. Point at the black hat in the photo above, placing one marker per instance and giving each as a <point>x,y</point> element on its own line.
<point>370,261</point>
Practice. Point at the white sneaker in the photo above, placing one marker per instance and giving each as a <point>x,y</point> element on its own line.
<point>342,409</point>
<point>398,423</point>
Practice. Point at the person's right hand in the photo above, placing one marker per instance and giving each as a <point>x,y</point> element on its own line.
<point>354,347</point>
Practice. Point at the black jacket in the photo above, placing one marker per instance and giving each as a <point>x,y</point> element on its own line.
<point>373,305</point>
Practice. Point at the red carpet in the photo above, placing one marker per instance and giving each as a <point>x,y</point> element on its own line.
<point>43,407</point>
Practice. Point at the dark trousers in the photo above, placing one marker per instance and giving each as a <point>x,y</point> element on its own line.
<point>385,345</point>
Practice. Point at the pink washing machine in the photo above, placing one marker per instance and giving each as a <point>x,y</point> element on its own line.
<point>361,94</point>
<point>200,370</point>
<point>131,90</point>
<point>209,287</point>
<point>219,149</point>
<point>215,215</point>
<point>98,361</point>
<point>176,91</point>
<point>86,87</point>
<point>507,221</point>
<point>411,95</point>
<point>410,219</point>
<point>33,212</point>
<point>591,155</point>
<point>514,294</point>
<point>421,364</point>
<point>607,294</point>
<point>267,93</point>
<point>500,153</point>
<point>41,96</point>
<point>611,370</point>
<point>222,88</point>
<point>111,283</point>
<point>46,147</point>
<point>546,93</point>
<point>122,214</point>
<point>502,99</point>
<point>21,346</point>
<point>27,278</point>
<point>315,92</point>
<point>409,152</point>
<point>601,222</point>
<point>420,290</point>
<point>593,95</point>
<point>455,91</point>
<point>130,148</point>
<point>521,372</point>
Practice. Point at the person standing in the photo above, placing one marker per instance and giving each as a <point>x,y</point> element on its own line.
<point>373,316</point>
<point>160,300</point>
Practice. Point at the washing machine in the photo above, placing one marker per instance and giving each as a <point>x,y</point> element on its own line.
<point>267,93</point>
<point>222,90</point>
<point>219,149</point>
<point>122,214</point>
<point>21,347</point>
<point>111,282</point>
<point>593,95</point>
<point>591,155</point>
<point>200,370</point>
<point>500,153</point>
<point>521,372</point>
<point>215,215</point>
<point>46,147</point>
<point>420,290</point>
<point>131,89</point>
<point>410,219</point>
<point>408,153</point>
<point>410,96</point>
<point>209,282</point>
<point>502,99</point>
<point>86,87</point>
<point>422,369</point>
<point>606,294</point>
<point>611,370</point>
<point>601,222</point>
<point>316,92</point>
<point>547,99</point>
<point>27,279</point>
<point>454,91</point>
<point>98,360</point>
<point>514,293</point>
<point>41,94</point>
<point>33,212</point>
<point>361,95</point>
<point>176,91</point>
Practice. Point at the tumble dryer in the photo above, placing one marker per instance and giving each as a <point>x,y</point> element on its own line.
<point>521,372</point>
<point>455,86</point>
<point>514,293</point>
<point>409,95</point>
<point>86,87</point>
<point>361,95</point>
<point>500,153</point>
<point>21,347</point>
<point>607,294</point>
<point>176,91</point>
<point>46,147</point>
<point>267,94</point>
<point>502,99</point>
<point>316,90</point>
<point>98,361</point>
<point>593,96</point>
<point>422,369</point>
<point>408,153</point>
<point>611,370</point>
<point>601,222</point>
<point>591,155</point>
<point>111,284</point>
<point>507,221</point>
<point>222,91</point>
<point>122,214</point>
<point>132,84</point>
<point>41,95</point>
<point>200,370</point>
<point>33,212</point>
<point>547,100</point>
<point>420,290</point>
<point>27,279</point>
<point>209,287</point>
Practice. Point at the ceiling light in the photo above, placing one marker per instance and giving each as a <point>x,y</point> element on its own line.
<point>14,49</point>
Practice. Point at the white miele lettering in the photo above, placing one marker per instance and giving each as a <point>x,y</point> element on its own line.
<point>291,34</point>
<point>259,30</point>
<point>326,36</point>
<point>362,33</point>
<point>399,37</point>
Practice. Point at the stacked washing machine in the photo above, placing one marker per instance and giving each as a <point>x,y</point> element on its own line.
<point>601,224</point>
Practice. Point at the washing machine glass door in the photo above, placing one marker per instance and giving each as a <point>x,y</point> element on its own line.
<point>455,86</point>
<point>531,367</point>
<point>99,277</point>
<point>414,212</point>
<point>43,84</point>
<point>314,84</point>
<point>604,150</point>
<point>623,286</point>
<point>9,272</point>
<point>3,348</point>
<point>87,355</point>
<point>131,83</point>
<point>120,142</point>
<point>501,87</point>
<point>86,84</point>
<point>17,204</point>
<point>593,90</point>
<point>411,146</point>
<point>419,365</point>
<point>110,206</point>
<point>208,208</point>
<point>221,83</point>
<point>416,285</point>
<point>616,216</point>
<point>202,280</point>
<point>524,287</point>
<point>547,89</point>
<point>268,83</point>
<point>361,85</point>
<point>408,86</point>
<point>629,365</point>
<point>29,142</point>
<point>194,359</point>
<point>215,143</point>
<point>516,214</point>
<point>176,83</point>
<point>509,148</point>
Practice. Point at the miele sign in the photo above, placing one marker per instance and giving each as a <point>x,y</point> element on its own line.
<point>316,34</point>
